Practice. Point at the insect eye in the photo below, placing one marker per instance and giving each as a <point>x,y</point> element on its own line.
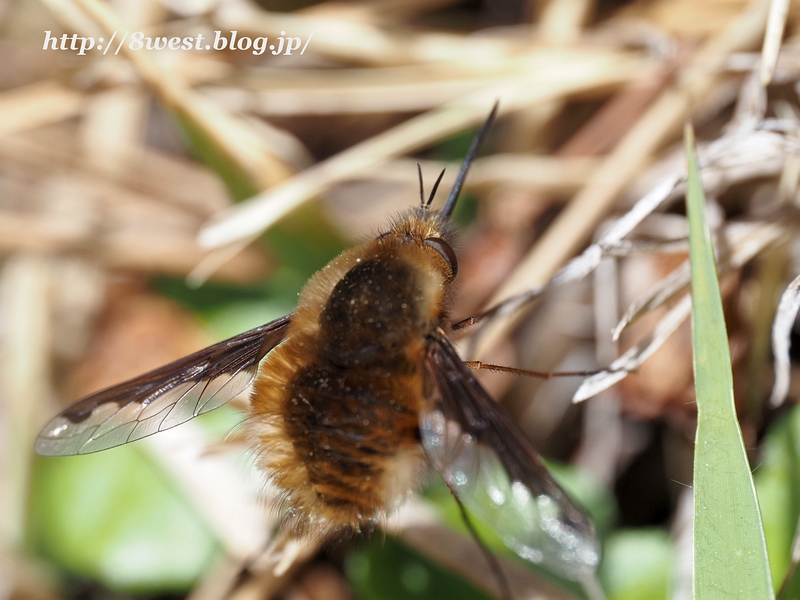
<point>446,252</point>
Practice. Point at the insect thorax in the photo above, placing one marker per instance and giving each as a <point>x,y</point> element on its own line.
<point>372,314</point>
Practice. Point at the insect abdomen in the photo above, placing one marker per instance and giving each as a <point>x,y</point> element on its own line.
<point>349,425</point>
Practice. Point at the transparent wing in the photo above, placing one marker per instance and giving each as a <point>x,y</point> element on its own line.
<point>163,398</point>
<point>491,466</point>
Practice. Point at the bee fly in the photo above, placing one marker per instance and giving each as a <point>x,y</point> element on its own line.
<point>355,394</point>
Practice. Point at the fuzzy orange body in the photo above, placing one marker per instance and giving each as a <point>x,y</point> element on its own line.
<point>335,407</point>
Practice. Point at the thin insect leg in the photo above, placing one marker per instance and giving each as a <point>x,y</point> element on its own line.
<point>477,364</point>
<point>494,564</point>
<point>505,307</point>
<point>464,323</point>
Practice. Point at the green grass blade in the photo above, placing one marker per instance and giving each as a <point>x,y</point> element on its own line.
<point>730,554</point>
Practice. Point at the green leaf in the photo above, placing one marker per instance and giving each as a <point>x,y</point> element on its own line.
<point>637,565</point>
<point>778,484</point>
<point>115,518</point>
<point>305,240</point>
<point>235,177</point>
<point>387,569</point>
<point>730,553</point>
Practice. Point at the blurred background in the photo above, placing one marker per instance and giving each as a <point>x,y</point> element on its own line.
<point>155,200</point>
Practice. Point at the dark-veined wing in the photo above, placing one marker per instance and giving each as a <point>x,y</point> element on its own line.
<point>163,398</point>
<point>494,470</point>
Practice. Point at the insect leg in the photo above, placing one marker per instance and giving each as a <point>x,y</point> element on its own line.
<point>494,564</point>
<point>478,365</point>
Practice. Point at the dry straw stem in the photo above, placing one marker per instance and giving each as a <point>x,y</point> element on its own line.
<point>749,239</point>
<point>276,568</point>
<point>143,218</point>
<point>741,155</point>
<point>776,22</point>
<point>168,250</point>
<point>734,158</point>
<point>548,174</point>
<point>279,92</point>
<point>112,127</point>
<point>753,240</point>
<point>612,121</point>
<point>659,124</point>
<point>404,88</point>
<point>219,580</point>
<point>608,245</point>
<point>662,292</point>
<point>227,132</point>
<point>349,34</point>
<point>559,25</point>
<point>217,261</point>
<point>37,104</point>
<point>157,176</point>
<point>781,341</point>
<point>524,89</point>
<point>561,21</point>
<point>604,439</point>
<point>24,375</point>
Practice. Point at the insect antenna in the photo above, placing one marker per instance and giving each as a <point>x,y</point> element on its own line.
<point>494,564</point>
<point>473,151</point>
<point>435,187</point>
<point>421,189</point>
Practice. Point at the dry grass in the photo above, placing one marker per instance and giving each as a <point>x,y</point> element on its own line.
<point>577,220</point>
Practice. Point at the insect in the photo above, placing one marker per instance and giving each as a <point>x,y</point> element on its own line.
<point>355,395</point>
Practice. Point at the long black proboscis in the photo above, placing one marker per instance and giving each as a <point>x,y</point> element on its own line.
<point>473,150</point>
